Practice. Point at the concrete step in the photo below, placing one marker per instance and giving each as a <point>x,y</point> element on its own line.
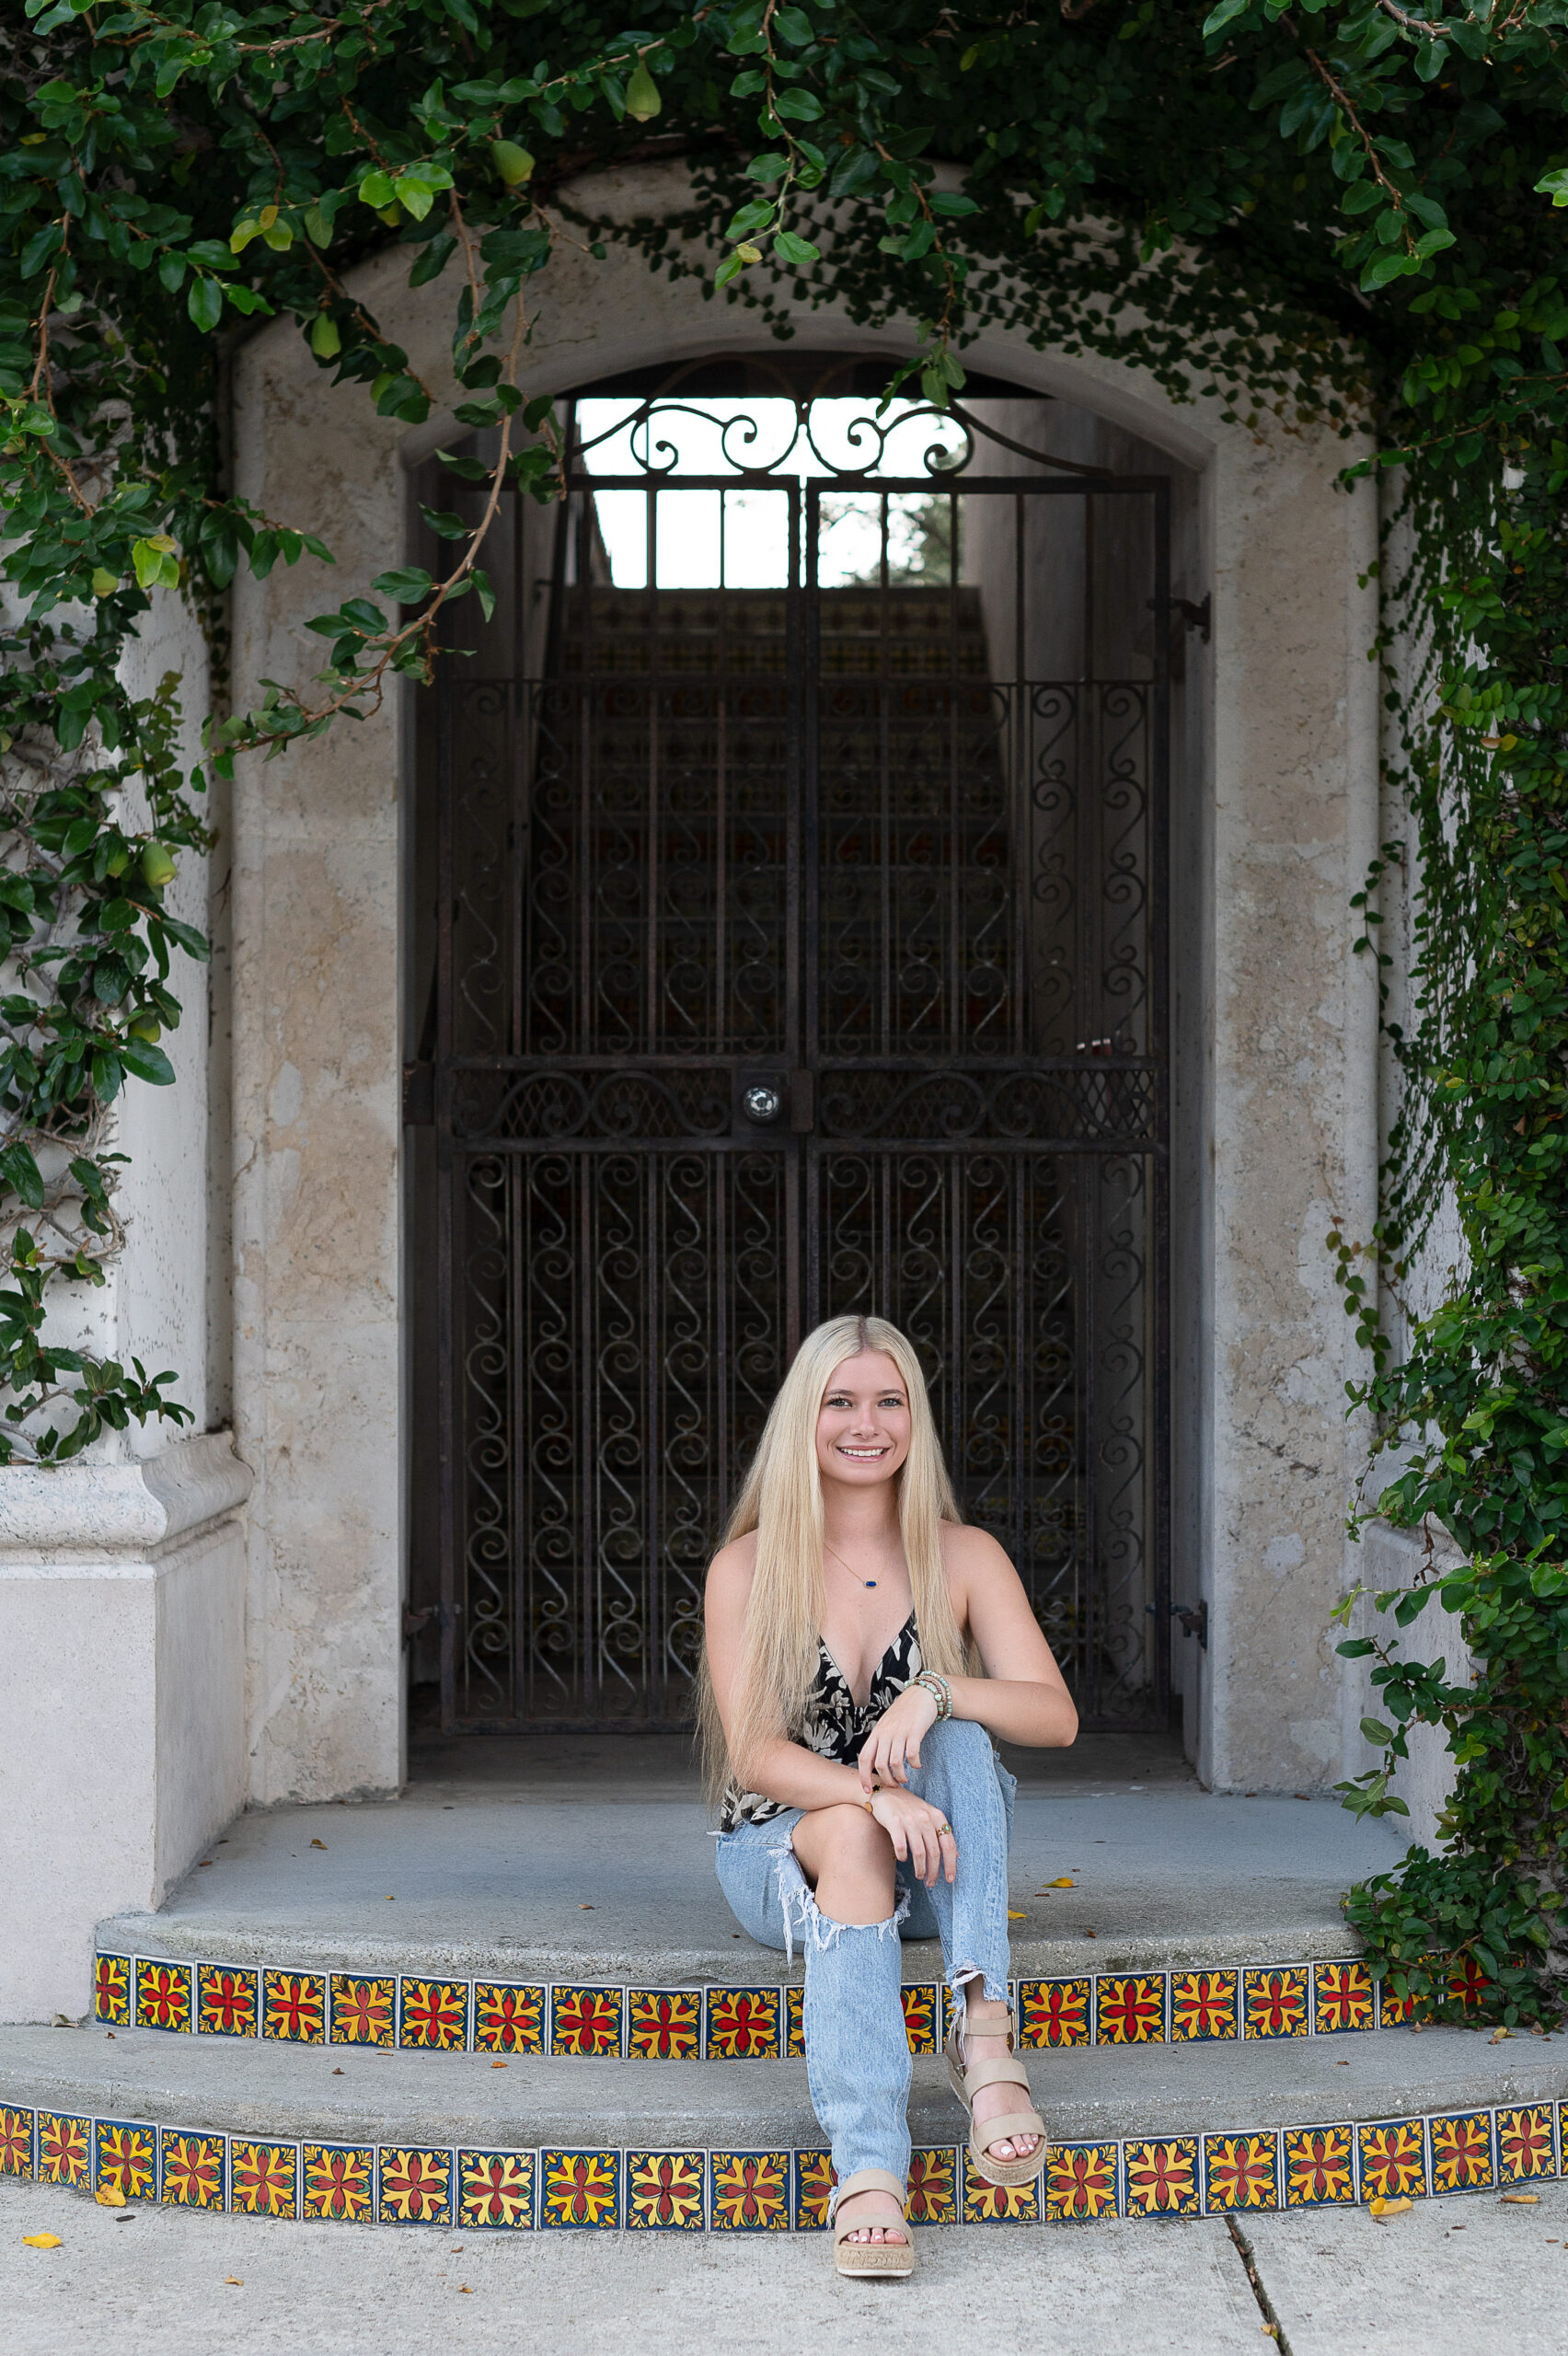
<point>611,1881</point>
<point>295,2092</point>
<point>1134,2131</point>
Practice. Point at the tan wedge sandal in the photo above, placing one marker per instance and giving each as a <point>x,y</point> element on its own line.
<point>966,2084</point>
<point>870,2257</point>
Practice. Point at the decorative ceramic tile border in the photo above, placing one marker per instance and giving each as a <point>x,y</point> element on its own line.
<point>737,2021</point>
<point>641,2191</point>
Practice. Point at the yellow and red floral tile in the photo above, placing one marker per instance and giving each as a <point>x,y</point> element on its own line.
<point>728,2022</point>
<point>1314,2166</point>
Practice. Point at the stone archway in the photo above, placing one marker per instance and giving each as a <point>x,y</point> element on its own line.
<point>1276,1091</point>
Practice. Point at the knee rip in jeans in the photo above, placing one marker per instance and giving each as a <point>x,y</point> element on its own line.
<point>801,1910</point>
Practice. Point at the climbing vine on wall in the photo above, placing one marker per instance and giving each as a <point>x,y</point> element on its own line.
<point>1351,211</point>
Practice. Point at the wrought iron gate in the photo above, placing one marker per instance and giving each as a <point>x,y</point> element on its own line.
<point>802,949</point>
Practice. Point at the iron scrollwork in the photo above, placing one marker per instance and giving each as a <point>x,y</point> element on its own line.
<point>832,835</point>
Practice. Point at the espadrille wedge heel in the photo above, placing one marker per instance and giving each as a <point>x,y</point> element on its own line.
<point>870,2257</point>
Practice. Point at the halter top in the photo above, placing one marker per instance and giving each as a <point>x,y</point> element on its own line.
<point>835,1725</point>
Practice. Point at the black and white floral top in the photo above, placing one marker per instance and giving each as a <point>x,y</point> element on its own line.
<point>835,1724</point>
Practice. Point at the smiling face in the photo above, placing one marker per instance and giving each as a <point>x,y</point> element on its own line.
<point>863,1425</point>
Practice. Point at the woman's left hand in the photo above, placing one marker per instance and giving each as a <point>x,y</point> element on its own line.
<point>893,1747</point>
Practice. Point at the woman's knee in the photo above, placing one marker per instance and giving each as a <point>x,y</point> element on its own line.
<point>845,1839</point>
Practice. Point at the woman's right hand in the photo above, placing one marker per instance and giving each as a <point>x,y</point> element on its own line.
<point>918,1832</point>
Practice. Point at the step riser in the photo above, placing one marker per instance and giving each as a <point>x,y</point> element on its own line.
<point>747,2020</point>
<point>643,2189</point>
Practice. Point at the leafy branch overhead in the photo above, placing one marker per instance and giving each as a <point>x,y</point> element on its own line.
<point>1350,211</point>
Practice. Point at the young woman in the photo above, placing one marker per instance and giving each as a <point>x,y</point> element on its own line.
<point>862,1795</point>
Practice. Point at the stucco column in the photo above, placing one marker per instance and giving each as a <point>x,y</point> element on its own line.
<point>1293,1089</point>
<point>122,1677</point>
<point>317,1113</point>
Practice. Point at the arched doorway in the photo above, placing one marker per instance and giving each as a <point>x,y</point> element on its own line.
<point>797,945</point>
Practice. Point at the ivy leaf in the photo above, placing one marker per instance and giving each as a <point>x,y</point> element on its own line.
<point>767,168</point>
<point>204,301</point>
<point>1554,184</point>
<point>1384,268</point>
<point>38,250</point>
<point>791,248</point>
<point>798,106</point>
<point>147,1062</point>
<point>854,168</point>
<point>408,584</point>
<point>1375,1731</point>
<point>21,1172</point>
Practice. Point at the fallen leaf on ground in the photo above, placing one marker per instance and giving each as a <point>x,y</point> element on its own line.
<point>238,2280</point>
<point>497,2065</point>
<point>108,2196</point>
<point>41,2241</point>
<point>1498,2035</point>
<point>1063,1881</point>
<point>585,1908</point>
<point>466,2290</point>
<point>319,1845</point>
<point>1015,1915</point>
<point>1522,2199</point>
<point>1381,2208</point>
<point>337,2073</point>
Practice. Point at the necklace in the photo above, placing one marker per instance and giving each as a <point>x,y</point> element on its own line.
<point>849,1567</point>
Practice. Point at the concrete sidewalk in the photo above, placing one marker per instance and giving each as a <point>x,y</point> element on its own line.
<point>1463,2276</point>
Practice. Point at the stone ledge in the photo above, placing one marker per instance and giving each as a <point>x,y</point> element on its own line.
<point>273,2131</point>
<point>66,1517</point>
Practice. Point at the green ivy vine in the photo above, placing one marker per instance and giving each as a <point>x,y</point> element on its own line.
<point>1340,210</point>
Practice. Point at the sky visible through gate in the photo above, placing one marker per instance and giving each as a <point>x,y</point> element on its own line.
<point>738,539</point>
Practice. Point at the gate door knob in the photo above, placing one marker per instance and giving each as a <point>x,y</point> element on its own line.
<point>762,1102</point>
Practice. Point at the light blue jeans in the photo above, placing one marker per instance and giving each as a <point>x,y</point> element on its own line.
<point>856,2048</point>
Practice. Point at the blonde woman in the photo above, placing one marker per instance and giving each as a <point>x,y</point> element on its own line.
<point>862,1795</point>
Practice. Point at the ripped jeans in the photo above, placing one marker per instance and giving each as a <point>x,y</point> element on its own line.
<point>856,2048</point>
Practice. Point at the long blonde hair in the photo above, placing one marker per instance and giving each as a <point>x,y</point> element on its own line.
<point>782,1502</point>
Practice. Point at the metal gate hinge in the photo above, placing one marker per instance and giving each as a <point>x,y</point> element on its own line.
<point>1194,1619</point>
<point>1199,617</point>
<point>419,1096</point>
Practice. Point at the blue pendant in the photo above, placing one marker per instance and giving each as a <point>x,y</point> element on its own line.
<point>870,1582</point>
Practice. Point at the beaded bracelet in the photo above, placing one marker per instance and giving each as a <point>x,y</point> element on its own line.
<point>942,1691</point>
